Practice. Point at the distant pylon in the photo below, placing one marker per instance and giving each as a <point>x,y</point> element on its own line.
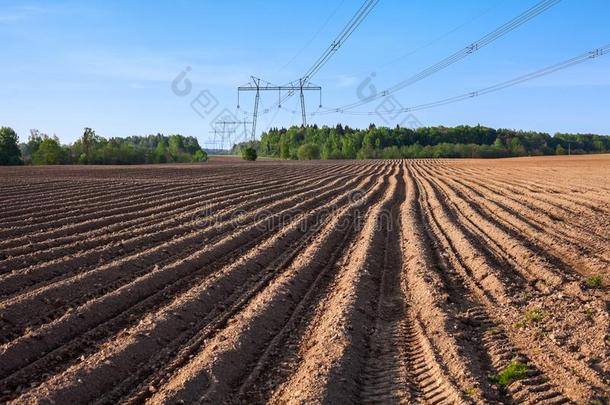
<point>290,88</point>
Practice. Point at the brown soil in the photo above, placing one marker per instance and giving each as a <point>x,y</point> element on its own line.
<point>306,282</point>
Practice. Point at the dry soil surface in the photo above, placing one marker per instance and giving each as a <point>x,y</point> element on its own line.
<point>279,282</point>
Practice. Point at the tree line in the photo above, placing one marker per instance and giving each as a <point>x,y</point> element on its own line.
<point>90,148</point>
<point>343,142</point>
<point>302,143</point>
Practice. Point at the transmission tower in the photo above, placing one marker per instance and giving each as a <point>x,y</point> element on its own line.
<point>227,132</point>
<point>304,82</point>
<point>301,86</point>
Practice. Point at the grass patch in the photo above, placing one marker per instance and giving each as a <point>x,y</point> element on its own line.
<point>513,372</point>
<point>595,281</point>
<point>533,315</point>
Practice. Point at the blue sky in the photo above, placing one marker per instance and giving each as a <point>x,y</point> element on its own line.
<point>109,65</point>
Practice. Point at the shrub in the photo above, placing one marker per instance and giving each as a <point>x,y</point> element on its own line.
<point>200,156</point>
<point>249,153</point>
<point>308,151</point>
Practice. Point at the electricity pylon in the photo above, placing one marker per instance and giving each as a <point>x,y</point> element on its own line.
<point>290,89</point>
<point>224,132</point>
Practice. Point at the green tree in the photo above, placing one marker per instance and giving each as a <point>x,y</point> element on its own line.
<point>49,152</point>
<point>460,141</point>
<point>249,153</point>
<point>10,154</point>
<point>598,145</point>
<point>26,155</point>
<point>175,147</point>
<point>34,140</point>
<point>200,156</point>
<point>87,140</point>
<point>308,151</point>
<point>516,147</point>
<point>161,151</point>
<point>190,144</point>
<point>559,150</point>
<point>284,149</point>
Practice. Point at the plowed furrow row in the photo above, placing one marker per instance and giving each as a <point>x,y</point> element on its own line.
<point>90,193</point>
<point>310,277</point>
<point>218,287</point>
<point>539,219</point>
<point>38,211</point>
<point>14,186</point>
<point>281,359</point>
<point>533,389</point>
<point>211,212</point>
<point>582,193</point>
<point>567,192</point>
<point>389,375</point>
<point>57,218</point>
<point>434,281</point>
<point>553,209</point>
<point>59,296</point>
<point>188,189</point>
<point>282,341</point>
<point>493,300</point>
<point>230,304</point>
<point>126,211</point>
<point>564,255</point>
<point>302,364</point>
<point>124,220</point>
<point>437,289</point>
<point>56,191</point>
<point>477,323</point>
<point>500,242</point>
<point>197,210</point>
<point>90,380</point>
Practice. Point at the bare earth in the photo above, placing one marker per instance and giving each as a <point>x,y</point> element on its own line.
<point>291,282</point>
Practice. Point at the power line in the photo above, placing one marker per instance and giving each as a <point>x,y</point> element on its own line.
<point>499,32</point>
<point>347,31</point>
<point>596,53</point>
<point>330,17</point>
<point>339,40</point>
<point>444,35</point>
<point>303,83</point>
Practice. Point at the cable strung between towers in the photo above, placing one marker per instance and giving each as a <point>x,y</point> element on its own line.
<point>587,56</point>
<point>499,32</point>
<point>303,83</point>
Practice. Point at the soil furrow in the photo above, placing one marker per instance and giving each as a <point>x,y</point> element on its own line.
<point>563,255</point>
<point>555,208</point>
<point>510,316</point>
<point>218,287</point>
<point>73,387</point>
<point>206,204</point>
<point>54,300</point>
<point>212,212</point>
<point>437,281</point>
<point>476,326</point>
<point>542,220</point>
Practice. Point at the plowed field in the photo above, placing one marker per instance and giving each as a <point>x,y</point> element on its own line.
<point>429,281</point>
